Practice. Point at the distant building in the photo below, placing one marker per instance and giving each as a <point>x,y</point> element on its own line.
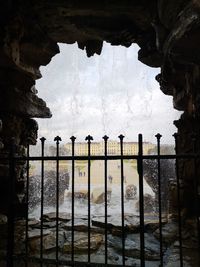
<point>113,148</point>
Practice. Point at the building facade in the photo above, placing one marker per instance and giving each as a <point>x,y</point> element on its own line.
<point>113,148</point>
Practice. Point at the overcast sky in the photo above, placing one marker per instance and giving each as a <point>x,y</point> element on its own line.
<point>109,94</point>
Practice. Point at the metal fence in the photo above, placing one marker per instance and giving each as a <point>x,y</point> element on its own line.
<point>14,159</point>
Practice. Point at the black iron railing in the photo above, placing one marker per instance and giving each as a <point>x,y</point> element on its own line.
<point>14,159</point>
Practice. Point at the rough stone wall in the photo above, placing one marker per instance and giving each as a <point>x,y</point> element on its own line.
<point>21,56</point>
<point>166,31</point>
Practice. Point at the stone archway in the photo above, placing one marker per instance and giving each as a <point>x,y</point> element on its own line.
<point>167,33</point>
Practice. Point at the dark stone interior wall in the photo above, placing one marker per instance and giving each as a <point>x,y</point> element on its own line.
<point>166,31</point>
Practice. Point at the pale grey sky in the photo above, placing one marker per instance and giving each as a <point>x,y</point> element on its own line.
<point>109,94</point>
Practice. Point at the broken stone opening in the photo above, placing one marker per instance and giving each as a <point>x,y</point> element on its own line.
<point>114,80</point>
<point>88,95</point>
<point>151,206</point>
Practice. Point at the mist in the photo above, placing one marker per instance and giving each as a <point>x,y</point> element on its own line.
<point>108,94</point>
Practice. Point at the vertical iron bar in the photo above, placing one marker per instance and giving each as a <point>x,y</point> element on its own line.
<point>106,197</point>
<point>196,186</point>
<point>158,137</point>
<point>179,202</point>
<point>141,200</point>
<point>73,138</point>
<point>11,216</point>
<point>89,139</point>
<point>121,137</point>
<point>42,201</point>
<point>57,139</point>
<point>27,204</point>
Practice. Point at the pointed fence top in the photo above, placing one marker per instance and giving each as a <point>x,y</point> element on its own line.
<point>73,138</point>
<point>57,139</point>
<point>89,138</point>
<point>105,137</point>
<point>42,139</point>
<point>158,136</point>
<point>121,137</point>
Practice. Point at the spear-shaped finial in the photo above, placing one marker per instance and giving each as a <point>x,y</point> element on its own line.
<point>42,139</point>
<point>89,138</point>
<point>73,138</point>
<point>121,137</point>
<point>105,138</point>
<point>57,139</point>
<point>158,136</point>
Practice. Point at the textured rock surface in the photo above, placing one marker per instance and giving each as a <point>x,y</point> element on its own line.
<point>132,241</point>
<point>81,243</point>
<point>24,104</point>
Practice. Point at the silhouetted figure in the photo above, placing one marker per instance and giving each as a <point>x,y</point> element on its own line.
<point>110,178</point>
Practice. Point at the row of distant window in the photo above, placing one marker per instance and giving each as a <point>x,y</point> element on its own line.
<point>113,148</point>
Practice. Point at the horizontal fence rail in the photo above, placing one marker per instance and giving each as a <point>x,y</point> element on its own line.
<point>13,159</point>
<point>109,157</point>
